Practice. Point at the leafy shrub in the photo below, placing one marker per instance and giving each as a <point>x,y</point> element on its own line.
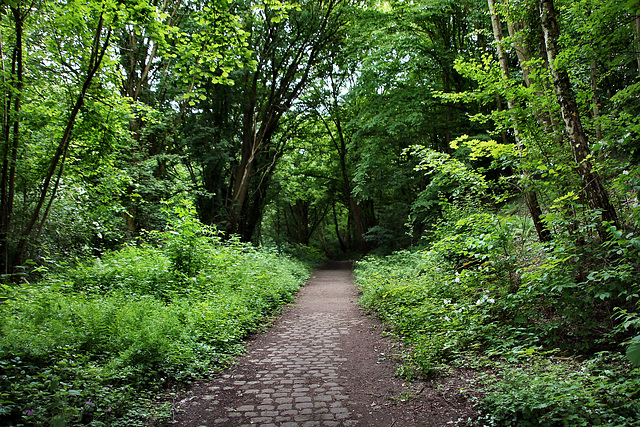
<point>310,256</point>
<point>140,270</point>
<point>483,294</point>
<point>439,311</point>
<point>93,345</point>
<point>554,391</point>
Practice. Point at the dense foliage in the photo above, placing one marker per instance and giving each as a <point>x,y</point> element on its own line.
<point>540,327</point>
<point>96,344</point>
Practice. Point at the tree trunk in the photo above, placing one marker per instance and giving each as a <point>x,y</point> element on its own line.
<point>548,122</point>
<point>286,59</point>
<point>11,141</point>
<point>323,241</point>
<point>595,193</point>
<point>638,40</point>
<point>530,196</point>
<point>340,144</point>
<point>250,145</point>
<point>354,205</point>
<point>521,48</point>
<point>343,246</point>
<point>594,98</point>
<point>253,214</point>
<point>300,212</point>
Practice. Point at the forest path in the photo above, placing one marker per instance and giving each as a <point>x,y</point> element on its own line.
<point>323,363</point>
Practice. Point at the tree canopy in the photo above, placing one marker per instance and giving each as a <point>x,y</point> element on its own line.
<point>299,122</point>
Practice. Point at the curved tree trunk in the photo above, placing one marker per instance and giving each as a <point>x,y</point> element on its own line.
<point>13,242</point>
<point>547,121</point>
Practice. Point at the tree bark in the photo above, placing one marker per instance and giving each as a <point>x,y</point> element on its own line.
<point>595,101</point>
<point>595,193</point>
<point>343,246</point>
<point>638,40</point>
<point>250,145</point>
<point>547,121</point>
<point>11,141</point>
<point>530,196</point>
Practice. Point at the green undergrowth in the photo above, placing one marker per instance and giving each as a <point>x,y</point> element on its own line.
<point>97,344</point>
<point>545,327</point>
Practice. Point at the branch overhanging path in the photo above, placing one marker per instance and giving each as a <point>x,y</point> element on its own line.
<point>323,363</point>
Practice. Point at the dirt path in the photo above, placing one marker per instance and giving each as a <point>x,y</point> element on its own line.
<point>323,363</point>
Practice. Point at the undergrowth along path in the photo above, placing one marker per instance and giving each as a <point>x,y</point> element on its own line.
<point>323,363</point>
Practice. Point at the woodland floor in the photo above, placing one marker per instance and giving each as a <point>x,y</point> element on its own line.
<point>324,362</point>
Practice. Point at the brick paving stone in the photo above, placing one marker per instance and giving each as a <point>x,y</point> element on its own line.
<point>261,420</point>
<point>295,375</point>
<point>285,407</point>
<point>304,405</point>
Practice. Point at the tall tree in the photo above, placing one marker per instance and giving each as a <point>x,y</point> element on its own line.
<point>289,52</point>
<point>326,104</point>
<point>13,84</point>
<point>530,196</point>
<point>594,190</point>
<point>164,78</point>
<point>291,47</point>
<point>95,37</point>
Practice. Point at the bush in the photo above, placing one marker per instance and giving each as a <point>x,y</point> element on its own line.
<point>554,391</point>
<point>93,346</point>
<point>439,311</point>
<point>137,270</point>
<point>485,295</point>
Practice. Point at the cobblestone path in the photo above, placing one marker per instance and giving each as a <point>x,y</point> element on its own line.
<point>323,363</point>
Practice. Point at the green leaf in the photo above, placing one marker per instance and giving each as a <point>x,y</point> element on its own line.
<point>633,351</point>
